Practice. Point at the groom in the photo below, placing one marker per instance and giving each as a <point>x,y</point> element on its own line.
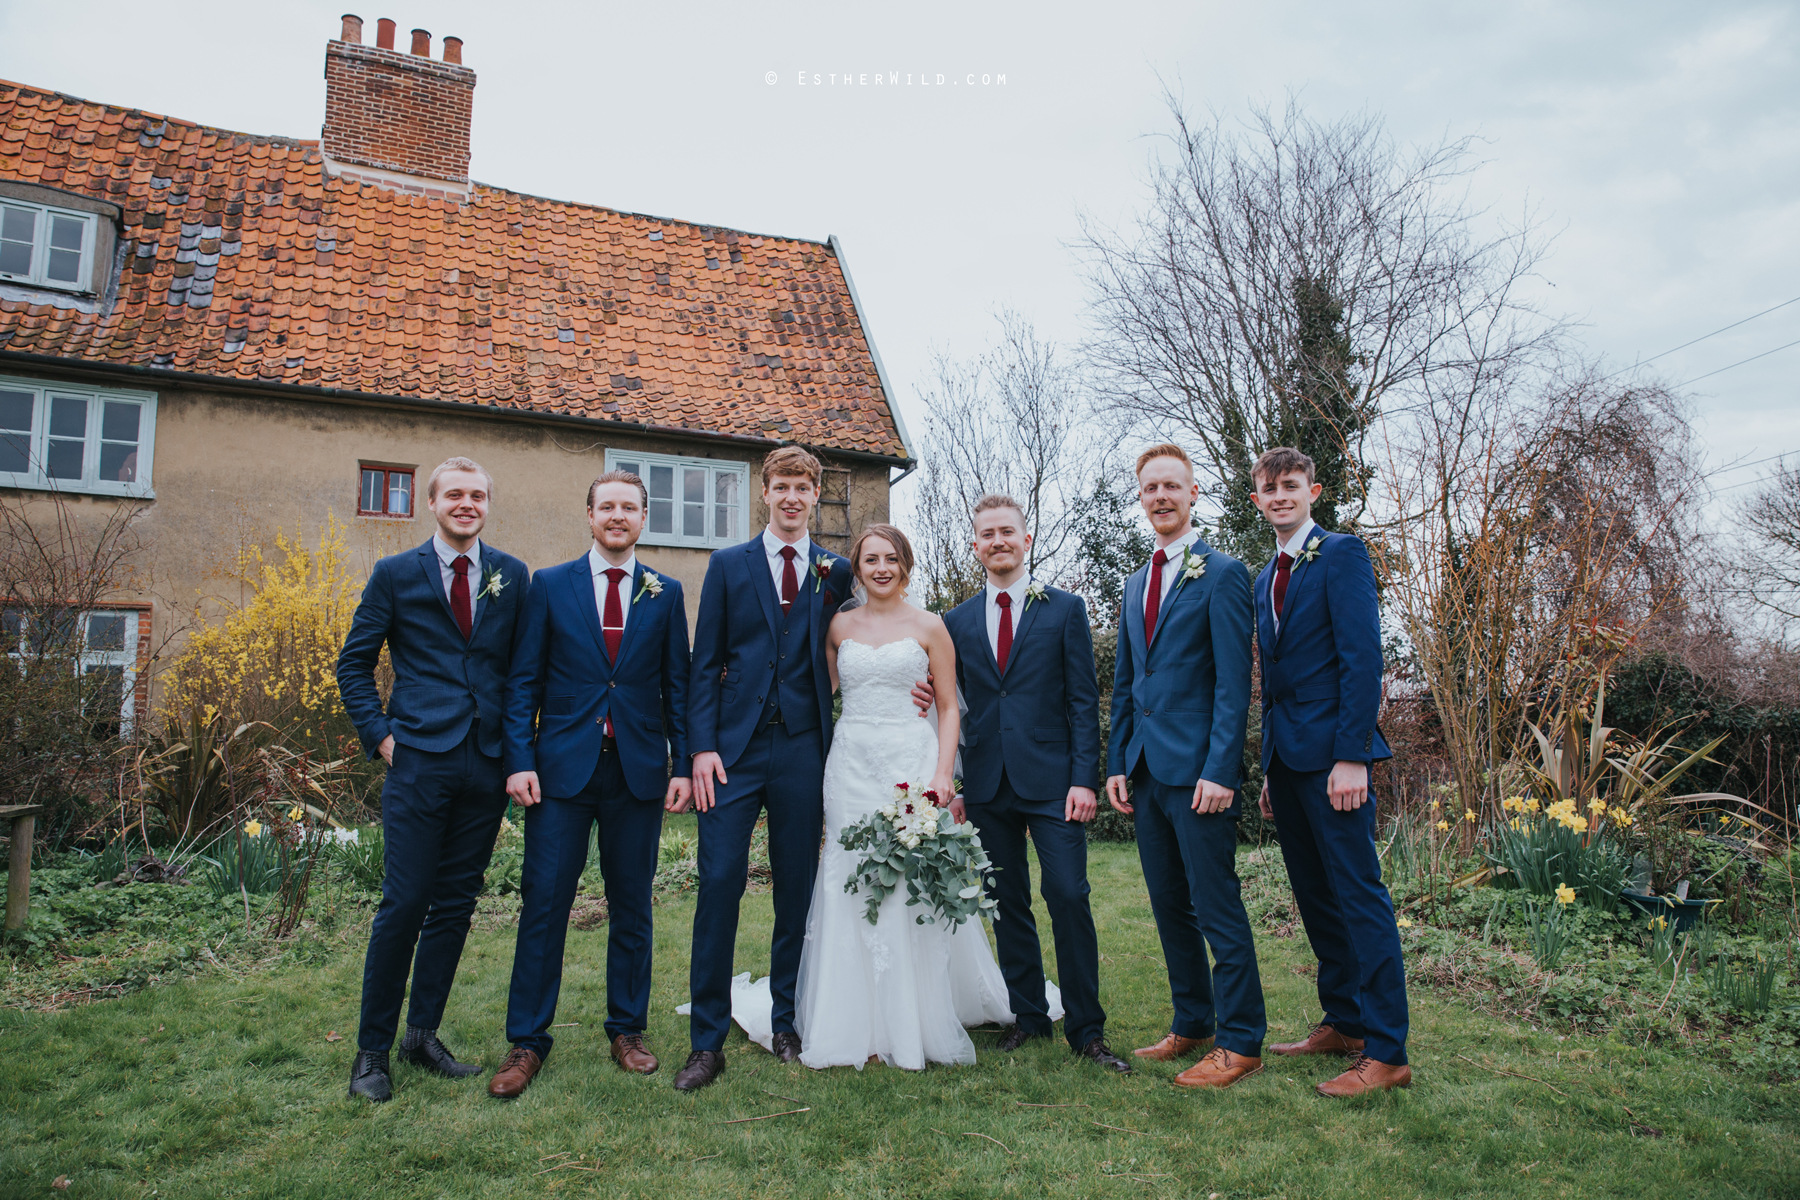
<point>759,727</point>
<point>1031,757</point>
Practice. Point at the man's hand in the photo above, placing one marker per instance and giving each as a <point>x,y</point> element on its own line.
<point>1115,794</point>
<point>1262,803</point>
<point>386,749</point>
<point>1080,805</point>
<point>1348,786</point>
<point>959,811</point>
<point>924,694</point>
<point>679,795</point>
<point>1209,797</point>
<point>708,768</point>
<point>522,786</point>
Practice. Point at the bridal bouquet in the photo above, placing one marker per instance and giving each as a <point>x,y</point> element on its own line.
<point>916,839</point>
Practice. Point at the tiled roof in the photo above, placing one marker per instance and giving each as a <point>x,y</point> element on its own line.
<point>243,260</point>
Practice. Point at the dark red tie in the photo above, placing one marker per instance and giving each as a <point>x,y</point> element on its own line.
<point>612,621</point>
<point>459,597</point>
<point>1004,649</point>
<point>790,583</point>
<point>1278,592</point>
<point>1153,602</point>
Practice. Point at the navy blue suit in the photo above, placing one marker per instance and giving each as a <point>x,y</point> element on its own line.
<point>1321,693</point>
<point>1031,733</point>
<point>760,697</point>
<point>445,793</point>
<point>1180,707</point>
<point>563,688</point>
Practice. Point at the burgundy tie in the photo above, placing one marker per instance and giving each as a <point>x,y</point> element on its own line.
<point>612,622</point>
<point>1004,600</point>
<point>790,583</point>
<point>1154,601</point>
<point>459,597</point>
<point>1278,592</point>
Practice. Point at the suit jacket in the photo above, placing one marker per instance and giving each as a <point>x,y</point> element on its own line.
<point>1040,720</point>
<point>1181,703</point>
<point>1321,677</point>
<point>563,686</point>
<point>735,645</point>
<point>442,682</point>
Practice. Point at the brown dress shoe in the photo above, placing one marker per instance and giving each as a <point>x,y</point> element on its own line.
<point>1219,1069</point>
<point>1174,1046</point>
<point>629,1052</point>
<point>515,1073</point>
<point>1322,1040</point>
<point>1366,1075</point>
<point>701,1068</point>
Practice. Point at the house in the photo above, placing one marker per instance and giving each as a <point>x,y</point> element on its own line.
<point>238,331</point>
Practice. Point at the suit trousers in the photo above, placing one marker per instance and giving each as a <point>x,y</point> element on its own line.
<point>556,849</point>
<point>440,813</point>
<point>1335,871</point>
<point>783,775</point>
<point>1190,867</point>
<point>1062,863</point>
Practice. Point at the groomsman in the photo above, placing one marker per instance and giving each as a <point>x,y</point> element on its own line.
<point>1181,697</point>
<point>596,699</point>
<point>446,612</point>
<point>1319,631</point>
<point>1031,757</point>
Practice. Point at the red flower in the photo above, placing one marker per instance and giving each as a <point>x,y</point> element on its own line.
<point>936,800</point>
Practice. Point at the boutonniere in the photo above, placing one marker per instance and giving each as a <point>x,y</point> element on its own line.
<point>492,585</point>
<point>1312,548</point>
<point>648,584</point>
<point>1193,566</point>
<point>821,571</point>
<point>1033,591</point>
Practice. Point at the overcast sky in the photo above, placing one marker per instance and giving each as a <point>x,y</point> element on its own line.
<point>1661,140</point>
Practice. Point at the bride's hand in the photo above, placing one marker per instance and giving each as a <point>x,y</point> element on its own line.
<point>945,787</point>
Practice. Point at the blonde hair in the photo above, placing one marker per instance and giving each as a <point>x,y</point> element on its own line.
<point>621,477</point>
<point>1165,450</point>
<point>457,464</point>
<point>998,500</point>
<point>892,535</point>
<point>791,460</point>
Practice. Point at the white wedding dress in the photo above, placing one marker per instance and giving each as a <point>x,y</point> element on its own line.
<point>896,990</point>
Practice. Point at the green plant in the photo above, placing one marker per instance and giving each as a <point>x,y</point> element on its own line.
<point>363,859</point>
<point>193,780</point>
<point>1666,949</point>
<point>253,861</point>
<point>1548,939</point>
<point>1750,988</point>
<point>1538,853</point>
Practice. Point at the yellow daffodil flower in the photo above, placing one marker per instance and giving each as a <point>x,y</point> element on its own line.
<point>1469,814</point>
<point>253,828</point>
<point>295,813</point>
<point>1403,923</point>
<point>1565,894</point>
<point>1443,825</point>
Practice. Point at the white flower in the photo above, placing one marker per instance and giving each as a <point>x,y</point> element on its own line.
<point>1033,591</point>
<point>494,585</point>
<point>347,837</point>
<point>1193,566</point>
<point>1312,548</point>
<point>650,583</point>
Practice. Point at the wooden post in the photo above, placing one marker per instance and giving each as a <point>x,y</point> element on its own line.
<point>18,877</point>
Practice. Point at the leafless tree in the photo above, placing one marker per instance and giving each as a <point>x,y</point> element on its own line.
<point>1770,519</point>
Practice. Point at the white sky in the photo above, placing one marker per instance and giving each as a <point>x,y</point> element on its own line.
<point>1657,137</point>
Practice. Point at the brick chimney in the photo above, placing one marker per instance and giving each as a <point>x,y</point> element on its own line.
<point>397,120</point>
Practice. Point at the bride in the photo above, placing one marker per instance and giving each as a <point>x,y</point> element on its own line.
<point>896,991</point>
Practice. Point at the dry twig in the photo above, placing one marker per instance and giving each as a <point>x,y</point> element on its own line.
<point>996,1141</point>
<point>1122,1129</point>
<point>767,1116</point>
<point>1514,1074</point>
<point>1028,1104</point>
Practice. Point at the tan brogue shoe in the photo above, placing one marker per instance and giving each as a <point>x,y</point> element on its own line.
<point>1324,1039</point>
<point>629,1051</point>
<point>1366,1075</point>
<point>1174,1046</point>
<point>1219,1069</point>
<point>515,1073</point>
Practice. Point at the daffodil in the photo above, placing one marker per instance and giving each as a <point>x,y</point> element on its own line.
<point>253,828</point>
<point>1565,894</point>
<point>1443,825</point>
<point>1403,923</point>
<point>1469,814</point>
<point>295,813</point>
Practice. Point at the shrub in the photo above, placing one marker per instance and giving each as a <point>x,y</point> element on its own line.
<point>1543,851</point>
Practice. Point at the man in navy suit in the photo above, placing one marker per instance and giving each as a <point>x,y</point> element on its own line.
<point>446,613</point>
<point>1319,630</point>
<point>1031,758</point>
<point>596,700</point>
<point>1181,700</point>
<point>759,727</point>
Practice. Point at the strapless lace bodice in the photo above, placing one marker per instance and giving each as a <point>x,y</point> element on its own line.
<point>877,681</point>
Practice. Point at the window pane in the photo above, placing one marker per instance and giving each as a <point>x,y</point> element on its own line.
<point>725,499</point>
<point>400,493</point>
<point>662,516</point>
<point>12,630</point>
<point>119,423</point>
<point>693,508</point>
<point>661,482</point>
<point>63,460</point>
<point>637,469</point>
<point>371,490</point>
<point>18,227</point>
<point>68,416</point>
<point>65,233</point>
<point>15,430</point>
<point>106,631</point>
<point>118,462</point>
<point>104,701</point>
<point>64,266</point>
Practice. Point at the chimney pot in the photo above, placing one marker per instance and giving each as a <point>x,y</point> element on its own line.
<point>453,50</point>
<point>384,34</point>
<point>421,43</point>
<point>352,29</point>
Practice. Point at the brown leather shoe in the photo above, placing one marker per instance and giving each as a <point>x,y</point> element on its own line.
<point>1366,1075</point>
<point>629,1052</point>
<point>515,1073</point>
<point>1323,1039</point>
<point>1174,1046</point>
<point>1219,1069</point>
<point>701,1068</point>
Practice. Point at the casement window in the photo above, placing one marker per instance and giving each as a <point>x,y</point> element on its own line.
<point>42,246</point>
<point>76,439</point>
<point>697,502</point>
<point>385,492</point>
<point>102,646</point>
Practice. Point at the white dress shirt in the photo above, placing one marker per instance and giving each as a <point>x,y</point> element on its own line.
<point>1293,546</point>
<point>446,557</point>
<point>802,559</point>
<point>1177,551</point>
<point>599,567</point>
<point>1017,592</point>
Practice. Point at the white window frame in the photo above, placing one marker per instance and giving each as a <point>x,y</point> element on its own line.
<point>125,658</point>
<point>40,252</point>
<point>36,476</point>
<point>715,467</point>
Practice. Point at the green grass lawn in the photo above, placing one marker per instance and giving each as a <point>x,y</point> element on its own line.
<point>223,1086</point>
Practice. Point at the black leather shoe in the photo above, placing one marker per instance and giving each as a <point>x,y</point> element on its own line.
<point>369,1076</point>
<point>702,1067</point>
<point>1101,1055</point>
<point>1016,1037</point>
<point>786,1047</point>
<point>422,1048</point>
